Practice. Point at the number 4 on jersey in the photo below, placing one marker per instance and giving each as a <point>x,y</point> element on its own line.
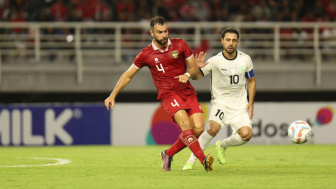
<point>160,68</point>
<point>176,103</point>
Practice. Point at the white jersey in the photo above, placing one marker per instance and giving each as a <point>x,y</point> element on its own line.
<point>228,79</point>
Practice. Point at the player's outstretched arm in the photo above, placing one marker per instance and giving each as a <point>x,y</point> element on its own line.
<point>252,93</point>
<point>123,81</point>
<point>200,59</point>
<point>200,64</point>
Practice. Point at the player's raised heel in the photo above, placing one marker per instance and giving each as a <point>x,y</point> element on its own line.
<point>207,162</point>
<point>166,161</point>
<point>220,153</point>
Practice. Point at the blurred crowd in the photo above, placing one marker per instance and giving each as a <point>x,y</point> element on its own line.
<point>172,10</point>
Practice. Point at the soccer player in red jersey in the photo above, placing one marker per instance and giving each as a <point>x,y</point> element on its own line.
<point>166,59</point>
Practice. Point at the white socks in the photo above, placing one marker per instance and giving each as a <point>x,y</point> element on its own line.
<point>233,140</point>
<point>204,140</point>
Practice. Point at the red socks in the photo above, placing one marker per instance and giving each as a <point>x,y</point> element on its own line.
<point>187,138</point>
<point>176,147</point>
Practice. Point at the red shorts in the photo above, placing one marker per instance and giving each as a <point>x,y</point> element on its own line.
<point>173,103</point>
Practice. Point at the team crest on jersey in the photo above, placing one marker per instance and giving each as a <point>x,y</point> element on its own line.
<point>242,69</point>
<point>175,54</point>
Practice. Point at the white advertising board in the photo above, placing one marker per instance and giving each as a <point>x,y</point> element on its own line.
<point>147,124</point>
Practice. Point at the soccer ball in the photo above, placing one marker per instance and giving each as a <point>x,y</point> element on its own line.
<point>299,132</point>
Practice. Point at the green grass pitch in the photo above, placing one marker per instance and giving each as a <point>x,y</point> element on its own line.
<point>250,166</point>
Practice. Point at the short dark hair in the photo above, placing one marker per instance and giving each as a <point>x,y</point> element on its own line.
<point>157,20</point>
<point>230,30</point>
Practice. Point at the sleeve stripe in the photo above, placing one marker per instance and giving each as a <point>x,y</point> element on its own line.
<point>249,74</point>
<point>135,66</point>
<point>202,72</point>
<point>190,56</point>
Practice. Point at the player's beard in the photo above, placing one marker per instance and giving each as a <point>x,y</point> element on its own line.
<point>230,52</point>
<point>162,41</point>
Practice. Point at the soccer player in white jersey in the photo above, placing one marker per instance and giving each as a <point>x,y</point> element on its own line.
<point>230,71</point>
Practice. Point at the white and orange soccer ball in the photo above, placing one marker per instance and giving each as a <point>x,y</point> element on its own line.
<point>299,132</point>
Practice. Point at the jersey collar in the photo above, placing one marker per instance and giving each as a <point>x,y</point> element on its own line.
<point>156,48</point>
<point>232,58</point>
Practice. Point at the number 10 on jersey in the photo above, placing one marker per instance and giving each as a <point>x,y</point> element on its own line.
<point>234,79</point>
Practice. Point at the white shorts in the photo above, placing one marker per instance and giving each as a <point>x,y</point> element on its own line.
<point>236,118</point>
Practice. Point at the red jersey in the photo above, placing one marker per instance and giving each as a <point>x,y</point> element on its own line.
<point>165,64</point>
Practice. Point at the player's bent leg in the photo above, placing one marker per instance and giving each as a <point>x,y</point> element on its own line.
<point>182,119</point>
<point>233,140</point>
<point>179,144</point>
<point>188,137</point>
<point>204,140</point>
<point>241,137</point>
<point>213,128</point>
<point>245,133</point>
<point>197,123</point>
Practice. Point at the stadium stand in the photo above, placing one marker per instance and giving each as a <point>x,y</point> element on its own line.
<point>82,46</point>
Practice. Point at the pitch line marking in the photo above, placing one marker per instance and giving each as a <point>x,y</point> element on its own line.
<point>59,162</point>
